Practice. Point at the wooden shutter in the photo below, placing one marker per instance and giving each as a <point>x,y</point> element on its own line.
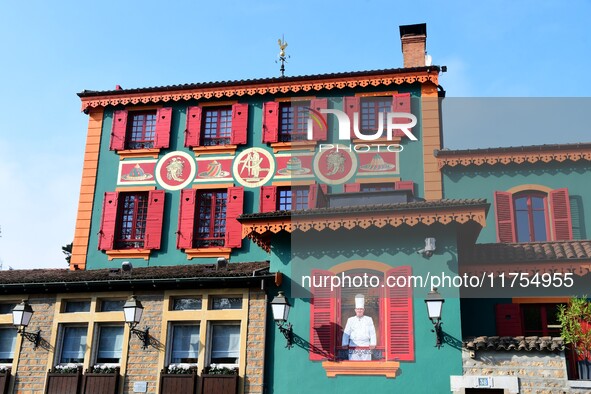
<point>163,123</point>
<point>268,199</point>
<point>352,187</point>
<point>193,130</point>
<point>234,208</point>
<point>505,217</point>
<point>401,103</point>
<point>239,124</point>
<point>322,319</point>
<point>320,133</point>
<point>108,221</point>
<point>154,219</point>
<point>508,319</point>
<point>562,228</point>
<point>350,106</point>
<point>270,122</point>
<point>399,316</point>
<point>405,185</point>
<point>186,228</point>
<point>118,130</point>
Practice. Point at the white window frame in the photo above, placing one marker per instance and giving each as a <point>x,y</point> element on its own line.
<point>95,344</point>
<point>170,333</point>
<point>14,351</point>
<point>60,343</point>
<point>209,346</point>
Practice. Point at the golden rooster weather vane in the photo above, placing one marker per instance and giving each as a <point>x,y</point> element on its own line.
<point>282,58</point>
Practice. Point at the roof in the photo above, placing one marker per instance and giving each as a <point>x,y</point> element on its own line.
<point>524,148</point>
<point>554,251</point>
<point>202,275</point>
<point>520,343</point>
<point>355,210</point>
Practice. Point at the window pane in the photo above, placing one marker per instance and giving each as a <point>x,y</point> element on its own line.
<point>6,308</point>
<point>185,344</point>
<point>225,344</point>
<point>112,305</point>
<point>73,345</point>
<point>539,226</point>
<point>537,203</point>
<point>185,304</point>
<point>532,320</point>
<point>521,203</point>
<point>110,345</point>
<point>77,306</point>
<point>7,344</point>
<point>226,303</point>
<point>522,226</point>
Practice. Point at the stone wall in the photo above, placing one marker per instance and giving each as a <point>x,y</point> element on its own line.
<point>255,343</point>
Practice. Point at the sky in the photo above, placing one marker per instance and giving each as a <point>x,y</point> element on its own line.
<point>52,50</point>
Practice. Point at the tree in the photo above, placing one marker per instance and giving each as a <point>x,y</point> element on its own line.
<point>67,250</point>
<point>575,319</point>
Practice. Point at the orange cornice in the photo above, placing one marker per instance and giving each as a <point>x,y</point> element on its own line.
<point>504,158</point>
<point>275,87</point>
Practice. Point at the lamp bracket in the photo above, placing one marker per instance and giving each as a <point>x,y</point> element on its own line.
<point>143,336</point>
<point>438,333</point>
<point>287,331</point>
<point>35,338</point>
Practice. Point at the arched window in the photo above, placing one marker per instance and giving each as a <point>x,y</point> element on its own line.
<point>531,216</point>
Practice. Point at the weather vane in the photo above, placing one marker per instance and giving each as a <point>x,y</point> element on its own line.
<point>282,58</point>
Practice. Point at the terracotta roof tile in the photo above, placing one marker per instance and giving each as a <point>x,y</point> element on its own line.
<point>520,343</point>
<point>529,251</point>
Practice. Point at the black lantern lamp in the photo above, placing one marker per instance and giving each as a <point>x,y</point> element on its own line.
<point>133,310</point>
<point>434,302</point>
<point>21,317</point>
<point>280,307</point>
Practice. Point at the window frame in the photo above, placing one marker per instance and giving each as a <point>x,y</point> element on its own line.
<point>294,128</point>
<point>7,328</point>
<point>96,343</point>
<point>145,142</point>
<point>60,343</point>
<point>170,340</point>
<point>529,195</point>
<point>378,102</point>
<point>120,243</point>
<point>211,240</point>
<point>209,347</point>
<point>301,202</point>
<point>225,139</point>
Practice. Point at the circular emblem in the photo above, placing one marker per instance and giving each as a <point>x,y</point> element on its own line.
<point>335,166</point>
<point>175,170</point>
<point>253,167</point>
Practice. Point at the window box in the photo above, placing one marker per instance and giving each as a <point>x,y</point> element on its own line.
<point>219,384</point>
<point>63,383</point>
<point>100,383</point>
<point>4,380</point>
<point>178,383</point>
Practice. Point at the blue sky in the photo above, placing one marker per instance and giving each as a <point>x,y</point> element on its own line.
<point>52,50</point>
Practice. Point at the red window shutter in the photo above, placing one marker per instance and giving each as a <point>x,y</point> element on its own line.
<point>320,133</point>
<point>350,106</point>
<point>119,129</point>
<point>405,185</point>
<point>505,217</point>
<point>184,238</point>
<point>399,317</point>
<point>401,103</point>
<point>508,318</point>
<point>561,219</point>
<point>154,219</point>
<point>193,130</point>
<point>239,124</point>
<point>163,123</point>
<point>322,319</point>
<point>234,208</point>
<point>312,195</point>
<point>268,201</point>
<point>108,221</point>
<point>352,187</point>
<point>270,121</point>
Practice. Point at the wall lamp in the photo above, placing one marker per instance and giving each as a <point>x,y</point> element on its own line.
<point>280,307</point>
<point>434,303</point>
<point>133,310</point>
<point>21,317</point>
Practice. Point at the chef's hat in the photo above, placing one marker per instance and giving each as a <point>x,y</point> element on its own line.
<point>359,301</point>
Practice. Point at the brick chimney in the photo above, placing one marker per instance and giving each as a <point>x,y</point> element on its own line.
<point>414,41</point>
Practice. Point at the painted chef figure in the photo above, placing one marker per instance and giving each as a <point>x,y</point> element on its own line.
<point>360,334</point>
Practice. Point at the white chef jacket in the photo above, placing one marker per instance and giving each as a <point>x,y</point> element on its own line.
<point>359,331</point>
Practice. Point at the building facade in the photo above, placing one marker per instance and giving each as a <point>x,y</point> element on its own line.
<point>205,200</point>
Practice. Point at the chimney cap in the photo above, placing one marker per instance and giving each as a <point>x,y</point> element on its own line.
<point>419,29</point>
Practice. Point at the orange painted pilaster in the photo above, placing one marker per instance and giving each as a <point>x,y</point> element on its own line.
<point>430,113</point>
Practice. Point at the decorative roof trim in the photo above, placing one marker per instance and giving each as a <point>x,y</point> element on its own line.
<point>264,87</point>
<point>504,157</point>
<point>260,231</point>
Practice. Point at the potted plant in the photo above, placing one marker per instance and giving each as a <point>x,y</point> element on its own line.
<point>101,379</point>
<point>219,380</point>
<point>63,379</point>
<point>4,379</point>
<point>575,321</point>
<point>178,379</point>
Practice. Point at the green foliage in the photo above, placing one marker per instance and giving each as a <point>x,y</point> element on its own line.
<point>214,369</point>
<point>67,250</point>
<point>575,319</point>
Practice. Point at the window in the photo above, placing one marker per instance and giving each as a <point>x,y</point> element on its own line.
<point>77,306</point>
<point>226,303</point>
<point>185,343</point>
<point>110,344</point>
<point>376,187</point>
<point>73,345</point>
<point>225,343</point>
<point>293,121</point>
<point>132,220</point>
<point>540,320</point>
<point>112,305</point>
<point>186,304</point>
<point>533,216</point>
<point>208,218</point>
<point>373,110</point>
<point>7,344</point>
<point>141,129</point>
<point>217,126</point>
<point>292,198</point>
